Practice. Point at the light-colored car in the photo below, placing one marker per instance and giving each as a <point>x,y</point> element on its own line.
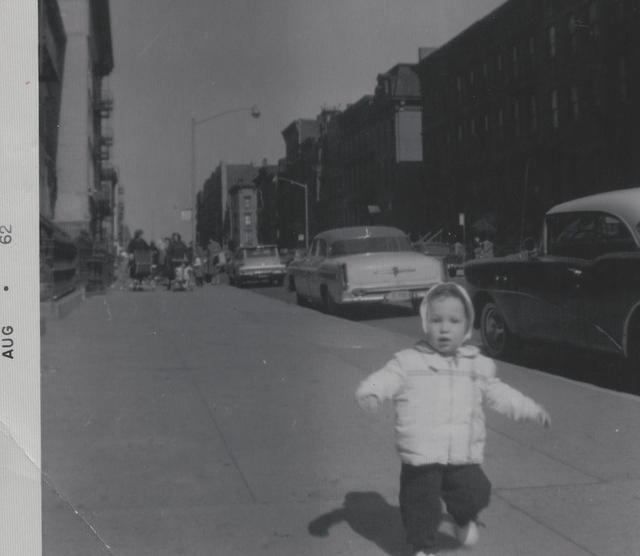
<point>363,265</point>
<point>259,263</point>
<point>582,287</point>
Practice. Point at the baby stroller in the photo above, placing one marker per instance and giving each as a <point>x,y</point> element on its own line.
<point>182,275</point>
<point>141,270</point>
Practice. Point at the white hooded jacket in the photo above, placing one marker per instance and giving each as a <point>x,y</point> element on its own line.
<point>438,401</point>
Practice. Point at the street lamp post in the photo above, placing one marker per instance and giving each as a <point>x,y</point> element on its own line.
<point>306,206</point>
<point>255,113</point>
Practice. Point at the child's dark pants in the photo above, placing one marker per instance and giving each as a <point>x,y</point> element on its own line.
<point>465,490</point>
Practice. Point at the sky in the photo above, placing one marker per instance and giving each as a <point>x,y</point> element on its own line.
<point>180,59</point>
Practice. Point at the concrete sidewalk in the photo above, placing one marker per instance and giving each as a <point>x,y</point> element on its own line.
<point>223,422</point>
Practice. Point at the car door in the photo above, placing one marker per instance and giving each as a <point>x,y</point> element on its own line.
<point>314,279</point>
<point>610,284</point>
<point>564,309</point>
<point>302,271</point>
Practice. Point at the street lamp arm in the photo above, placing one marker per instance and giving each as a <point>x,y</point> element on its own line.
<point>292,182</point>
<point>253,109</point>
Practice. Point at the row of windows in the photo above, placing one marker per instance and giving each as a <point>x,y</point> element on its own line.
<point>524,113</point>
<point>512,61</point>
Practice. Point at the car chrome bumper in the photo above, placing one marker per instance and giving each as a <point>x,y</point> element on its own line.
<point>387,296</point>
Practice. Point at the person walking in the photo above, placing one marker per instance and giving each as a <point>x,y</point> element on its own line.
<point>136,244</point>
<point>438,387</point>
<point>177,253</point>
<point>211,271</point>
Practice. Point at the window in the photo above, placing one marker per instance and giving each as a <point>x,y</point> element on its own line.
<point>555,113</point>
<point>486,122</point>
<point>370,245</point>
<point>247,219</point>
<point>321,248</point>
<point>514,60</point>
<point>534,114</point>
<point>552,42</point>
<point>532,47</point>
<point>593,20</point>
<point>622,72</point>
<point>473,127</point>
<point>459,85</point>
<point>247,202</point>
<point>587,235</point>
<point>501,123</point>
<point>516,117</point>
<point>499,63</point>
<point>573,38</point>
<point>575,107</point>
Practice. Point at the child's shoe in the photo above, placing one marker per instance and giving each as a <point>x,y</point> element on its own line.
<point>467,535</point>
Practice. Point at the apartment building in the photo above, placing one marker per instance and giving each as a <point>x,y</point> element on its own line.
<point>86,175</point>
<point>534,104</point>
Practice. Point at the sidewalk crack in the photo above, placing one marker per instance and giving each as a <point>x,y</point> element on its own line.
<point>77,512</point>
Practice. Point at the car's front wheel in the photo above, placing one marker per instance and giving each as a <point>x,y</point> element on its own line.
<point>497,338</point>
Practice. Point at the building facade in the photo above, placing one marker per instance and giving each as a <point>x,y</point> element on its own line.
<point>51,53</point>
<point>300,165</point>
<point>535,104</point>
<point>86,175</point>
<point>218,217</point>
<point>376,176</point>
<point>243,215</point>
<point>362,165</point>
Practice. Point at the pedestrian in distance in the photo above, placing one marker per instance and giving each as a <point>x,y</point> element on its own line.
<point>438,388</point>
<point>211,272</point>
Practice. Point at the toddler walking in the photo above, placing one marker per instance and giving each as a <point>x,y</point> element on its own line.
<point>437,388</point>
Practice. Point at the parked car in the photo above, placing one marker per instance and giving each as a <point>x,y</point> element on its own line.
<point>581,287</point>
<point>260,263</point>
<point>363,265</point>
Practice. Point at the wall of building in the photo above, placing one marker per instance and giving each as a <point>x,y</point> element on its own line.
<point>526,109</point>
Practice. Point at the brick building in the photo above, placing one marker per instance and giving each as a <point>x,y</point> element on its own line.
<point>223,212</point>
<point>376,173</point>
<point>300,164</point>
<point>86,176</point>
<point>362,165</point>
<point>534,104</point>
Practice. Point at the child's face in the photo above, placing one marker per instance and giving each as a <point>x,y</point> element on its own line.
<point>446,324</point>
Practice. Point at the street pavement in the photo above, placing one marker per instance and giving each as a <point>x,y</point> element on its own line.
<point>223,422</point>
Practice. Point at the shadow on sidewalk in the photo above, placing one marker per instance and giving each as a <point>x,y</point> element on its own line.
<point>373,518</point>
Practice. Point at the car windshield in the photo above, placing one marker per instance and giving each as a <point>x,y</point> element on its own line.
<point>369,245</point>
<point>587,235</point>
<point>268,251</point>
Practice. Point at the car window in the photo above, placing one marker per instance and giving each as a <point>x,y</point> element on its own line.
<point>321,248</point>
<point>269,251</point>
<point>587,235</point>
<point>370,245</point>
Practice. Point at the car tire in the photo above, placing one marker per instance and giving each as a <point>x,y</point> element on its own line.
<point>329,306</point>
<point>497,337</point>
<point>301,300</point>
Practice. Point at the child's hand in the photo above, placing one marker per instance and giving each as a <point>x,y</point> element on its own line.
<point>369,403</point>
<point>543,418</point>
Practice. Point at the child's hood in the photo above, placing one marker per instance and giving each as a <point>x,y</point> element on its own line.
<point>440,289</point>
